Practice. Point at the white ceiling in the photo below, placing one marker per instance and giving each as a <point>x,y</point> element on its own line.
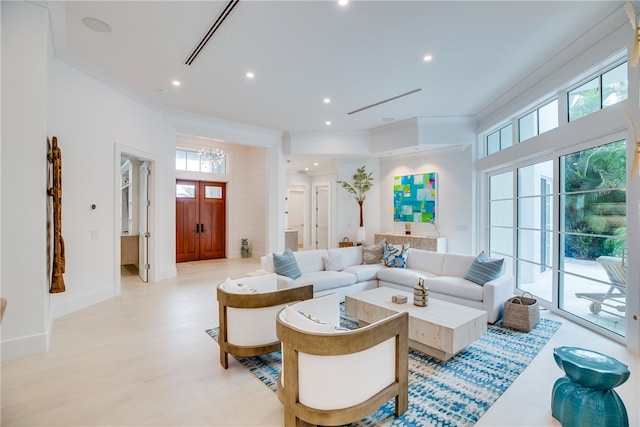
<point>304,51</point>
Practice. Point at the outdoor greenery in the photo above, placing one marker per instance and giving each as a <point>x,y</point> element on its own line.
<point>595,201</point>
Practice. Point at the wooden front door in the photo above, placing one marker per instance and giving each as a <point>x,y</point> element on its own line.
<point>200,220</point>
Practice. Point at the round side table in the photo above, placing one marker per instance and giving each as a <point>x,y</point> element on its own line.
<point>585,396</point>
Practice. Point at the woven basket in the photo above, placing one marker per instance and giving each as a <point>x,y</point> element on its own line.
<point>521,313</point>
<point>345,243</point>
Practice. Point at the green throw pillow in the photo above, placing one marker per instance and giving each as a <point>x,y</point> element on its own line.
<point>483,269</point>
<point>286,264</point>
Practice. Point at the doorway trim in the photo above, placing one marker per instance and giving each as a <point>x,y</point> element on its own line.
<point>121,150</point>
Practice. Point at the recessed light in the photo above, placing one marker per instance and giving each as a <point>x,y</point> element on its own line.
<point>326,100</point>
<point>315,164</point>
<point>250,75</point>
<point>176,83</point>
<point>343,2</point>
<point>427,58</point>
<point>306,169</point>
<point>328,123</point>
<point>96,25</point>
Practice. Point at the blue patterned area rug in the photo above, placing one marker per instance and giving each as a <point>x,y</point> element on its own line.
<point>453,393</point>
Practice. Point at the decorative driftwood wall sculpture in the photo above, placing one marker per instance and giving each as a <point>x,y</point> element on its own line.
<point>54,191</point>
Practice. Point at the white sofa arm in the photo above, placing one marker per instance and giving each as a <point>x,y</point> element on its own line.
<point>496,292</point>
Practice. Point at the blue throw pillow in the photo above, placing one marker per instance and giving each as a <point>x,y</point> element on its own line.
<point>483,269</point>
<point>395,257</point>
<point>286,264</point>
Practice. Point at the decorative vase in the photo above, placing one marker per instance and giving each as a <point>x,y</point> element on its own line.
<point>244,249</point>
<point>360,237</point>
<point>421,294</point>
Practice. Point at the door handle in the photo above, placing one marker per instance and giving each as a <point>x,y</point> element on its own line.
<point>202,228</point>
<point>197,228</point>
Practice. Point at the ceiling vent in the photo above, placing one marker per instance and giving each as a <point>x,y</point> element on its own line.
<point>384,100</point>
<point>223,16</point>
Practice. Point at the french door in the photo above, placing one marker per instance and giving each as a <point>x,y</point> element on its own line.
<point>200,220</point>
<point>577,262</point>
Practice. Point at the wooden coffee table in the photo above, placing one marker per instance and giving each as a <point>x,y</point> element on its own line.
<point>441,329</point>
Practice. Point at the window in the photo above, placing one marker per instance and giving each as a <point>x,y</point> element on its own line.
<point>200,161</point>
<point>607,89</point>
<point>539,121</point>
<point>500,139</point>
<point>501,218</point>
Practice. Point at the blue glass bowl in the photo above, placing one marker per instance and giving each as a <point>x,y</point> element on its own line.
<point>590,368</point>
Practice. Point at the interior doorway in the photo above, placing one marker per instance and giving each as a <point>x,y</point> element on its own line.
<point>321,217</point>
<point>295,209</point>
<point>135,180</point>
<point>200,220</point>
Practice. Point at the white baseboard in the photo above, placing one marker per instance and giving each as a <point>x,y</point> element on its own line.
<point>66,307</point>
<point>23,346</point>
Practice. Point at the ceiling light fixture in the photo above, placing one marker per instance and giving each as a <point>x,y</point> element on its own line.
<point>315,164</point>
<point>343,2</point>
<point>427,58</point>
<point>213,157</point>
<point>328,123</point>
<point>250,75</point>
<point>326,100</point>
<point>176,83</point>
<point>96,24</point>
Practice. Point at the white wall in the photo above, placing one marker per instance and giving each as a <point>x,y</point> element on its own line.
<point>46,97</point>
<point>455,201</point>
<point>24,200</point>
<point>90,119</point>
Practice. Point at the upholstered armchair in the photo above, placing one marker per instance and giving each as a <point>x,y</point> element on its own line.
<point>334,377</point>
<point>247,309</point>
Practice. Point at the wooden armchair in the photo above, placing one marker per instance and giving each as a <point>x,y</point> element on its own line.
<point>248,318</point>
<point>338,377</point>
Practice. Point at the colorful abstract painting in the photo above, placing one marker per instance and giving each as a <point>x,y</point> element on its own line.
<point>414,197</point>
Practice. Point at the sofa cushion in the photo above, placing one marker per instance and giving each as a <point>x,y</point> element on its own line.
<point>402,276</point>
<point>432,262</point>
<point>311,260</point>
<point>286,264</point>
<point>456,264</point>
<point>372,254</point>
<point>364,272</point>
<point>324,280</point>
<point>306,321</point>
<point>231,286</point>
<point>395,255</point>
<point>334,261</point>
<point>455,286</point>
<point>483,269</point>
<point>351,255</point>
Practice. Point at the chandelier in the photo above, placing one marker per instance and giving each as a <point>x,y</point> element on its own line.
<point>214,157</point>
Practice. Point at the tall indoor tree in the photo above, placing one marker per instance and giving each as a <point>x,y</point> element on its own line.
<point>362,182</point>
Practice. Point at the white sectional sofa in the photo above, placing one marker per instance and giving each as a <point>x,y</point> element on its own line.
<point>443,273</point>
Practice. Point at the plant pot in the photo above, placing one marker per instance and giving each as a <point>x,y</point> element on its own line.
<point>361,235</point>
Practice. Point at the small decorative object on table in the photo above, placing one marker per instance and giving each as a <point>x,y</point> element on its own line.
<point>585,395</point>
<point>407,228</point>
<point>345,243</point>
<point>244,249</point>
<point>399,299</point>
<point>421,294</point>
<point>521,313</point>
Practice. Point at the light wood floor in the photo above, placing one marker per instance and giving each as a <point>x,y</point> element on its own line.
<point>143,359</point>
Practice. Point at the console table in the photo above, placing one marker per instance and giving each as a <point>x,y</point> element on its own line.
<point>428,243</point>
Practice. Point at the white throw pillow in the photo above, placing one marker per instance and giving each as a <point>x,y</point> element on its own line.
<point>231,286</point>
<point>334,262</point>
<point>306,322</point>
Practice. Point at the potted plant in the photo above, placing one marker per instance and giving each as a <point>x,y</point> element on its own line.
<point>362,182</point>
